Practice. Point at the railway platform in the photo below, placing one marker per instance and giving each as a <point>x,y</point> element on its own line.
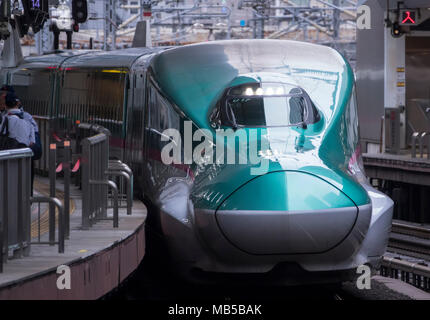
<point>99,258</point>
<point>406,179</point>
<point>401,168</point>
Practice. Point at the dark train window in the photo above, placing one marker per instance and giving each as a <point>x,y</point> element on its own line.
<point>94,95</point>
<point>267,105</point>
<point>34,89</point>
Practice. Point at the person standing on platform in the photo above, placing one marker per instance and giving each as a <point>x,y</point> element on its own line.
<point>19,129</point>
<point>37,146</point>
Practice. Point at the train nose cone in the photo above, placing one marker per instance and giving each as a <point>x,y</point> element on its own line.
<point>286,212</point>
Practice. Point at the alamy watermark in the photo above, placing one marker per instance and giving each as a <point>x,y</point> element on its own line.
<point>363,18</point>
<point>250,149</point>
<point>64,278</point>
<point>364,280</point>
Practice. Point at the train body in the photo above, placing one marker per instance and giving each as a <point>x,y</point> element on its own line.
<point>283,192</point>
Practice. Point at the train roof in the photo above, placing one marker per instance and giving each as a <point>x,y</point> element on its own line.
<point>52,59</point>
<point>193,76</point>
<point>116,59</point>
<point>90,58</point>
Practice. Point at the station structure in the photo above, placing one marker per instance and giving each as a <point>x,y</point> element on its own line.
<point>393,97</point>
<point>85,222</point>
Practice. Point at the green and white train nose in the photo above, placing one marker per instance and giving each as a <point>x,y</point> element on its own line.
<point>288,212</point>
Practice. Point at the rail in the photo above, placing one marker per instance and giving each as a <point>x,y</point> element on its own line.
<point>410,240</point>
<point>412,230</point>
<point>413,242</point>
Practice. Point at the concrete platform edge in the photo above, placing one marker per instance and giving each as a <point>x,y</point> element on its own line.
<point>92,276</point>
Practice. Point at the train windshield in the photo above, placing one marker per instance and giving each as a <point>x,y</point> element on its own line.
<point>267,105</point>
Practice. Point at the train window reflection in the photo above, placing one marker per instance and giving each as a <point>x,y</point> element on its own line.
<point>267,105</point>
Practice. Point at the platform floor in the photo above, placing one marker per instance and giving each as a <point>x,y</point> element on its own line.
<point>401,168</point>
<point>82,244</point>
<point>399,158</point>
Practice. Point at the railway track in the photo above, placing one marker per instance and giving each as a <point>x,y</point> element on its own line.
<point>408,257</point>
<point>410,240</point>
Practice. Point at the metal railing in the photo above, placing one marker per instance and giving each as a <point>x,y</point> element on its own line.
<point>122,175</point>
<point>61,222</point>
<point>96,170</point>
<point>15,214</point>
<point>53,202</point>
<point>15,208</point>
<point>87,151</point>
<point>95,164</point>
<point>423,140</point>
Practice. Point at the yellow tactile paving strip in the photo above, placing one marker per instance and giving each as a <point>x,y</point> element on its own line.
<point>44,217</point>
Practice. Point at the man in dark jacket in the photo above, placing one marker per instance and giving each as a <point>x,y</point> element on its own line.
<point>6,92</point>
<point>37,146</point>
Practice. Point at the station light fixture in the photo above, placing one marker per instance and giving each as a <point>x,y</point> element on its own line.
<point>36,12</point>
<point>79,11</point>
<point>396,30</point>
<point>75,27</point>
<point>408,17</point>
<point>61,17</point>
<point>147,8</point>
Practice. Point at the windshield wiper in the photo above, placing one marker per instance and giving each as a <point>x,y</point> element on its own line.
<point>232,118</point>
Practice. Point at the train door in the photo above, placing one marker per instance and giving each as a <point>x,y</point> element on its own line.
<point>135,118</point>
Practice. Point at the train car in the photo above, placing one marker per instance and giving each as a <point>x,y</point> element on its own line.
<point>246,150</point>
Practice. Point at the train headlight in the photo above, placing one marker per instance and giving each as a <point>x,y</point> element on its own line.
<point>280,91</point>
<point>249,92</point>
<point>269,91</point>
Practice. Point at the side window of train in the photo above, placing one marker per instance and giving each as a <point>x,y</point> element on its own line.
<point>95,95</point>
<point>162,116</point>
<point>34,88</point>
<point>153,109</point>
<point>151,128</point>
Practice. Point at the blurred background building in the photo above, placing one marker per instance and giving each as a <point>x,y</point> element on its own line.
<point>176,22</point>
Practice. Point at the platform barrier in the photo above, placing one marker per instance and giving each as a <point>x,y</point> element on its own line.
<point>122,175</point>
<point>423,141</point>
<point>95,163</point>
<point>61,223</point>
<point>15,219</point>
<point>84,153</point>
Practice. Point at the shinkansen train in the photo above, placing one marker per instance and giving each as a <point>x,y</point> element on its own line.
<point>246,151</point>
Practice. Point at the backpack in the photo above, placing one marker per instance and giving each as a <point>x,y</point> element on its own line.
<point>37,147</point>
<point>6,142</point>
